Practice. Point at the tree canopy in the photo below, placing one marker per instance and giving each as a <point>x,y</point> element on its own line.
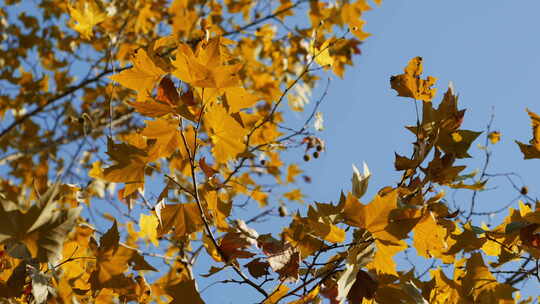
<point>142,139</point>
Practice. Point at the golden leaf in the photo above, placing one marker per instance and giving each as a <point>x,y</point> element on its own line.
<point>185,218</point>
<point>148,228</point>
<point>86,14</point>
<point>411,85</point>
<point>142,77</point>
<point>226,133</point>
<point>429,237</point>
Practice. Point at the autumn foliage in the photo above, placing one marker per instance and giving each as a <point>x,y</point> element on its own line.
<point>136,134</point>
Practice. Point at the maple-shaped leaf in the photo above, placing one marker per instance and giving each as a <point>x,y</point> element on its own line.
<point>233,246</point>
<point>282,257</point>
<point>300,237</point>
<point>185,218</point>
<point>142,77</point>
<point>532,150</point>
<point>166,135</point>
<point>167,92</point>
<point>364,287</point>
<point>457,142</point>
<point>239,98</point>
<point>112,260</point>
<point>411,85</point>
<point>530,238</point>
<point>257,268</point>
<point>130,161</point>
<point>219,209</point>
<point>208,171</point>
<point>152,108</point>
<point>444,288</point>
<point>429,237</point>
<point>40,230</point>
<point>86,15</point>
<point>148,228</point>
<point>374,217</point>
<point>482,285</point>
<point>226,133</point>
<point>322,229</point>
<point>184,292</point>
<point>321,54</point>
<point>204,67</point>
<point>440,169</point>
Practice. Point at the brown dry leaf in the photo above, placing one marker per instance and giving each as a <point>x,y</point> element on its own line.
<point>167,92</point>
<point>233,246</point>
<point>532,150</point>
<point>184,292</point>
<point>209,172</point>
<point>364,287</point>
<point>257,268</point>
<point>282,257</point>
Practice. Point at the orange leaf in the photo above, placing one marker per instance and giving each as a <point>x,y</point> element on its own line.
<point>411,85</point>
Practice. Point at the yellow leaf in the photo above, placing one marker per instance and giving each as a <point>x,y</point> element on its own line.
<point>277,294</point>
<point>383,262</point>
<point>411,85</point>
<point>130,162</point>
<point>494,137</point>
<point>148,228</point>
<point>219,208</point>
<point>294,195</point>
<point>204,67</point>
<point>86,14</point>
<point>142,77</point>
<point>429,237</point>
<point>309,298</point>
<point>239,98</point>
<point>185,218</point>
<point>292,171</point>
<point>321,55</point>
<point>483,286</point>
<point>328,232</point>
<point>374,216</point>
<point>226,133</point>
<point>167,136</point>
